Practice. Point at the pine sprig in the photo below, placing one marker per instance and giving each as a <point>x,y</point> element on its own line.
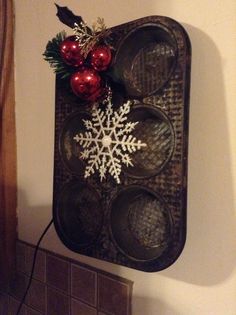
<point>53,57</point>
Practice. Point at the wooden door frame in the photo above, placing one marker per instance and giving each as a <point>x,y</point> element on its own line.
<point>8,189</point>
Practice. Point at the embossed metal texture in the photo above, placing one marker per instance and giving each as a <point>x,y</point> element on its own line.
<point>140,223</point>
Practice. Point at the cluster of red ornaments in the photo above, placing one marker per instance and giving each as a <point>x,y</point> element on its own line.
<point>86,82</point>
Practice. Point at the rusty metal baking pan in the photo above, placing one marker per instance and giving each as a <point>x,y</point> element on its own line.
<point>140,223</point>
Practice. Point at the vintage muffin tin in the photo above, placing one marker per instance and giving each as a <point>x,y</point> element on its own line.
<point>140,223</point>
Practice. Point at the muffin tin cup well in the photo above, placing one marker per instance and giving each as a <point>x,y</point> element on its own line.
<point>70,151</point>
<point>145,59</point>
<point>155,130</point>
<point>78,215</point>
<point>140,223</point>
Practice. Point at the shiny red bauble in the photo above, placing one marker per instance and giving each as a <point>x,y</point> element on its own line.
<point>70,51</point>
<point>87,84</point>
<point>100,57</point>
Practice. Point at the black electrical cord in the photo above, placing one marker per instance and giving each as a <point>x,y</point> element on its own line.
<point>33,265</point>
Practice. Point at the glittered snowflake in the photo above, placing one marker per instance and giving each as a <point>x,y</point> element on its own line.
<point>107,142</point>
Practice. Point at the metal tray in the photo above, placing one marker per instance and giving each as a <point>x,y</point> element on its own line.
<point>140,223</point>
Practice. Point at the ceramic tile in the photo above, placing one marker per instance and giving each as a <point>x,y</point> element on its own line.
<point>20,257</point>
<point>58,273</point>
<point>36,296</point>
<point>3,287</point>
<point>18,285</point>
<point>113,296</point>
<point>13,307</point>
<point>84,284</point>
<point>79,308</point>
<point>58,283</point>
<point>3,304</point>
<point>40,265</point>
<point>57,303</point>
<point>30,311</point>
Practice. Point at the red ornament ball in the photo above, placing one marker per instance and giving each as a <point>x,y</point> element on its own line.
<point>87,84</point>
<point>100,57</point>
<point>71,52</point>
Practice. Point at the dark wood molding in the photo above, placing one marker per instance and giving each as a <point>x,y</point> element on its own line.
<point>7,143</point>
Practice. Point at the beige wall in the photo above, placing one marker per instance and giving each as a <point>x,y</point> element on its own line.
<point>203,280</point>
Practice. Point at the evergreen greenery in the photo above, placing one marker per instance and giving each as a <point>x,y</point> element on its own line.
<point>52,55</point>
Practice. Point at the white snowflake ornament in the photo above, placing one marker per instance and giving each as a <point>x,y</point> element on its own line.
<point>108,142</point>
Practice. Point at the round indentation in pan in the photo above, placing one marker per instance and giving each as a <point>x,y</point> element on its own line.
<point>140,223</point>
<point>154,129</point>
<point>78,215</point>
<point>70,150</point>
<point>146,59</point>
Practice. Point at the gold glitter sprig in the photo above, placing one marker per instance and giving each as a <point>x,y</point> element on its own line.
<point>99,26</point>
<point>89,37</point>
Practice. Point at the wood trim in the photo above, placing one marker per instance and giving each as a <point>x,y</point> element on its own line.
<point>7,143</point>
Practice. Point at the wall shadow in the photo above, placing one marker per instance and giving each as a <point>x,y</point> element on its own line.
<point>208,257</point>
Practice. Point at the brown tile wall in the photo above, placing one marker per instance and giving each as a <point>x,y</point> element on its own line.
<point>62,286</point>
